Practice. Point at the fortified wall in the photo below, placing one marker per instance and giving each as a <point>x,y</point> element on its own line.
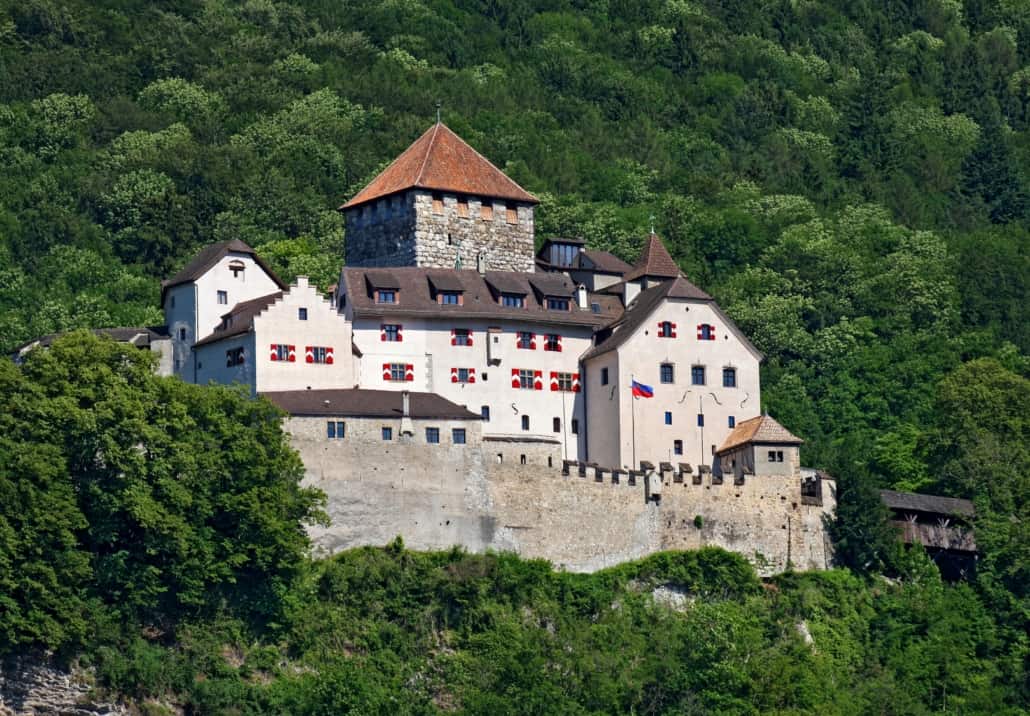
<point>496,494</point>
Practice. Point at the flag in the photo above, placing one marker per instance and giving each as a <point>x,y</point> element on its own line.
<point>642,391</point>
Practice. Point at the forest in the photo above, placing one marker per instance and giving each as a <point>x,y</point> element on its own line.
<point>849,178</point>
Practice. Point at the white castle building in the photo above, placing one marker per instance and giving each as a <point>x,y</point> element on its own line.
<point>429,302</point>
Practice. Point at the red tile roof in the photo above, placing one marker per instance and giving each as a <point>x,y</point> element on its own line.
<point>441,160</point>
<point>761,429</point>
<point>654,261</point>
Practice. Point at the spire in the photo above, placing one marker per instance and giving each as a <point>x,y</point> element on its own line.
<point>654,261</point>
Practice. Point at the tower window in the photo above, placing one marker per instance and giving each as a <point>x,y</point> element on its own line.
<point>486,211</point>
<point>511,214</point>
<point>463,207</point>
<point>437,203</point>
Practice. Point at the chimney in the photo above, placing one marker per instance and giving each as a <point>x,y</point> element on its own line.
<point>581,296</point>
<point>405,404</point>
<point>481,264</point>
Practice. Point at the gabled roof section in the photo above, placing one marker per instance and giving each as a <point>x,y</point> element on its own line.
<point>762,429</point>
<point>933,504</point>
<point>654,261</point>
<point>603,262</point>
<point>443,161</point>
<point>240,319</point>
<point>363,403</point>
<point>211,255</point>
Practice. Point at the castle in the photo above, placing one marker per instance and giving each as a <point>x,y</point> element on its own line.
<point>458,386</point>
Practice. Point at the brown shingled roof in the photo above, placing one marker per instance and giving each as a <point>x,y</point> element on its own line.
<point>603,261</point>
<point>240,319</point>
<point>362,403</point>
<point>761,429</point>
<point>654,261</point>
<point>441,160</point>
<point>935,504</point>
<point>211,255</point>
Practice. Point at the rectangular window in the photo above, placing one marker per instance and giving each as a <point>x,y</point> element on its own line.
<point>390,332</point>
<point>387,433</point>
<point>557,425</point>
<point>731,422</point>
<point>552,342</point>
<point>302,314</point>
<point>604,376</point>
<point>668,417</point>
<point>449,298</point>
<point>700,420</point>
<point>458,436</point>
<point>525,341</point>
<point>283,352</point>
<point>234,357</point>
<point>437,204</point>
<point>223,298</point>
<point>677,447</point>
<point>397,372</point>
<point>511,214</point>
<point>729,377</point>
<point>485,412</point>
<point>775,456</point>
<point>463,207</point>
<point>525,422</point>
<point>386,296</point>
<point>565,381</point>
<point>667,374</point>
<point>666,329</point>
<point>526,381</point>
<point>486,211</point>
<point>706,332</point>
<point>513,300</point>
<point>463,375</point>
<point>462,337</point>
<point>319,354</point>
<point>432,435</point>
<point>335,429</point>
<point>557,304</point>
<point>697,375</point>
<point>575,426</point>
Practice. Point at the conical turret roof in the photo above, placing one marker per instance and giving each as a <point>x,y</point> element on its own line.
<point>654,261</point>
<point>441,160</point>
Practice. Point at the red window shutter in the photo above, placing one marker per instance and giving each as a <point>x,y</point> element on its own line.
<point>700,327</point>
<point>673,330</point>
<point>291,352</point>
<point>386,371</point>
<point>538,380</point>
<point>400,333</point>
<point>532,341</point>
<point>454,337</point>
<point>472,375</point>
<point>575,382</point>
<point>275,352</point>
<point>329,355</point>
<point>470,338</point>
<point>557,346</point>
<point>661,329</point>
<point>409,372</point>
<point>554,381</point>
<point>309,354</point>
<point>454,375</point>
<point>515,383</point>
<point>382,333</point>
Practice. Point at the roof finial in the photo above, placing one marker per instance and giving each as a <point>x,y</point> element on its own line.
<point>439,104</point>
<point>652,224</point>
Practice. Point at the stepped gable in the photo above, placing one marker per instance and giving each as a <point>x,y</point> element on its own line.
<point>441,160</point>
<point>240,319</point>
<point>761,429</point>
<point>364,403</point>
<point>416,287</point>
<point>211,255</point>
<point>654,261</point>
<point>640,309</point>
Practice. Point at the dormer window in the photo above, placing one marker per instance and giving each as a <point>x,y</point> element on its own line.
<point>449,298</point>
<point>557,304</point>
<point>386,295</point>
<point>237,268</point>
<point>513,300</point>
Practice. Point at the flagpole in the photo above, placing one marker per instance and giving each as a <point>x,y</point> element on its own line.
<point>633,412</point>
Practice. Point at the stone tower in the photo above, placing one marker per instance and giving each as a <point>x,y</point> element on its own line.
<point>441,204</point>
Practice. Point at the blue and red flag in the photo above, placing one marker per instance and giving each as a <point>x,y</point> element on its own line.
<point>642,391</point>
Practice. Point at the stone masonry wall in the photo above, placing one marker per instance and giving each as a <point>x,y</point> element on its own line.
<point>462,495</point>
<point>382,233</point>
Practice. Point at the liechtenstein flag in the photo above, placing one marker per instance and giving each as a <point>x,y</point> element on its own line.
<point>642,391</point>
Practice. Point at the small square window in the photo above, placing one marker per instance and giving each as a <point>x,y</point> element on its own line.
<point>697,375</point>
<point>458,436</point>
<point>557,425</point>
<point>667,373</point>
<point>432,435</point>
<point>700,420</point>
<point>668,417</point>
<point>677,447</point>
<point>463,375</point>
<point>525,340</point>
<point>223,298</point>
<point>390,332</point>
<point>302,314</point>
<point>335,429</point>
<point>485,412</point>
<point>604,376</point>
<point>387,433</point>
<point>731,422</point>
<point>525,422</point>
<point>449,298</point>
<point>386,296</point>
<point>552,342</point>
<point>462,337</point>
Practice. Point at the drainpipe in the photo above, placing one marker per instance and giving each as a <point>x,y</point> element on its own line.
<point>407,427</point>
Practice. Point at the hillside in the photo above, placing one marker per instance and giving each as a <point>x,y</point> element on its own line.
<point>849,179</point>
